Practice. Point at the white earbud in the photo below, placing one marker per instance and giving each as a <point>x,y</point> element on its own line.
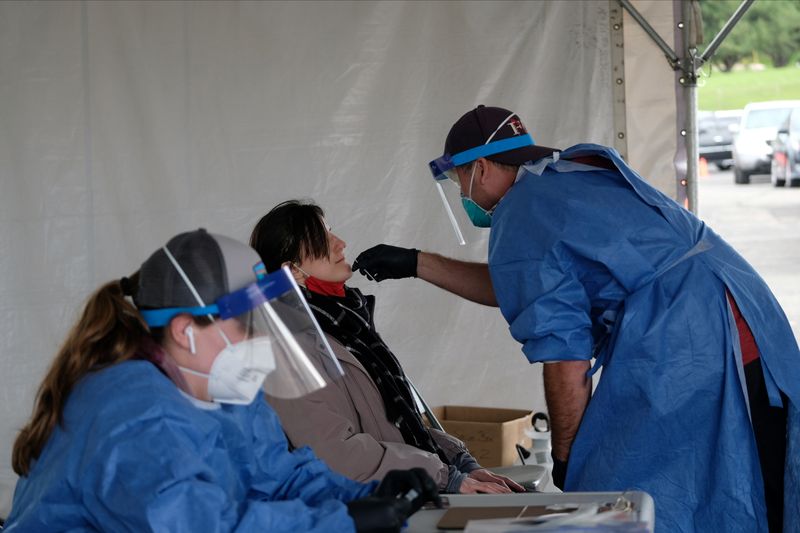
<point>190,333</point>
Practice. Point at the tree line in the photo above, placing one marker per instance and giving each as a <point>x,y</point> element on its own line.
<point>769,32</point>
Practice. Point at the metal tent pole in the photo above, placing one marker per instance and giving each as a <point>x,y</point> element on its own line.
<point>689,65</point>
<point>672,57</point>
<point>725,30</point>
<point>689,82</point>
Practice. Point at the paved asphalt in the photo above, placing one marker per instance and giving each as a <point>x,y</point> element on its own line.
<point>763,223</point>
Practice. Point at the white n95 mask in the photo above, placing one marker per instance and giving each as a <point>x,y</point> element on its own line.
<point>239,371</point>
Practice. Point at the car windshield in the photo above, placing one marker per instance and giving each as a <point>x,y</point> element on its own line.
<point>767,118</point>
<point>705,124</point>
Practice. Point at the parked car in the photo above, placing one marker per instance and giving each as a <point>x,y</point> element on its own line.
<point>751,149</point>
<point>786,152</point>
<point>715,132</point>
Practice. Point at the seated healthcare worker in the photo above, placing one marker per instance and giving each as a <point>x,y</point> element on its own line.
<point>365,424</point>
<point>151,417</point>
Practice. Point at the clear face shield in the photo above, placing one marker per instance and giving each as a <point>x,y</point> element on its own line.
<point>446,179</point>
<point>273,312</point>
<point>449,189</point>
<point>271,337</point>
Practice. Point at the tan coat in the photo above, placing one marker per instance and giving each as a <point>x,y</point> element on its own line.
<point>345,424</point>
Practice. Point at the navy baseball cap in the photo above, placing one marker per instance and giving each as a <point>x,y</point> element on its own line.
<point>494,124</point>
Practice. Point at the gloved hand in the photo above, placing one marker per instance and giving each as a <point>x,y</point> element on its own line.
<point>398,483</point>
<point>387,262</point>
<point>379,515</point>
<point>559,472</point>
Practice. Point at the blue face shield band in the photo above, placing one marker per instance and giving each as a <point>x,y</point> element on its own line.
<point>444,167</point>
<point>227,306</point>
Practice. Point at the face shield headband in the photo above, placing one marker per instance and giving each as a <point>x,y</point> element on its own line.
<point>442,167</point>
<point>272,308</point>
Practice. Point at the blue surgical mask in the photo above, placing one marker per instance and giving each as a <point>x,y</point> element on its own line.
<point>479,216</point>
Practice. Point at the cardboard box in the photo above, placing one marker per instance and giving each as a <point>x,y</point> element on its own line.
<point>491,434</point>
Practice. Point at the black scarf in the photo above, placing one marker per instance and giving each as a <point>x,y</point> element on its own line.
<point>349,319</point>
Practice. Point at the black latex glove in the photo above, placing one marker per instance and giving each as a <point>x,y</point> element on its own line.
<point>559,472</point>
<point>397,483</point>
<point>379,515</point>
<point>387,262</point>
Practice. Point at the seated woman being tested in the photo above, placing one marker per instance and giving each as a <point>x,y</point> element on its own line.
<point>151,417</point>
<point>366,423</point>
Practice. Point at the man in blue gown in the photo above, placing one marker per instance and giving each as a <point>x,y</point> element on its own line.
<point>587,261</point>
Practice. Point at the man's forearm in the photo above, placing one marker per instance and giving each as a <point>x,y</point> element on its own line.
<point>463,278</point>
<point>567,391</point>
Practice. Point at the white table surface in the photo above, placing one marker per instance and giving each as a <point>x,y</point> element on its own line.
<point>424,521</point>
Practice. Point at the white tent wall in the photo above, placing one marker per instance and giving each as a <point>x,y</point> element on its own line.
<point>123,123</point>
<point>650,96</point>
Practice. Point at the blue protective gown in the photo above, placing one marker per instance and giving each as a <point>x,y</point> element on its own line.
<point>593,262</point>
<point>134,454</point>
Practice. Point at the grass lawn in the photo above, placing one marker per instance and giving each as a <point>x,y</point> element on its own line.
<point>732,90</point>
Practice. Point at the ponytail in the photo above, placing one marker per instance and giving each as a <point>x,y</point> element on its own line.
<point>109,331</point>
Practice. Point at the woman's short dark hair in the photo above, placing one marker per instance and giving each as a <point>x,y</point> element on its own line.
<point>291,231</point>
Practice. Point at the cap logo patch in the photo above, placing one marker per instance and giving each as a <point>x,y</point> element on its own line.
<point>516,126</point>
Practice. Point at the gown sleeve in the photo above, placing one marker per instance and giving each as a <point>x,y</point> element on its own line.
<point>156,475</point>
<point>546,308</point>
